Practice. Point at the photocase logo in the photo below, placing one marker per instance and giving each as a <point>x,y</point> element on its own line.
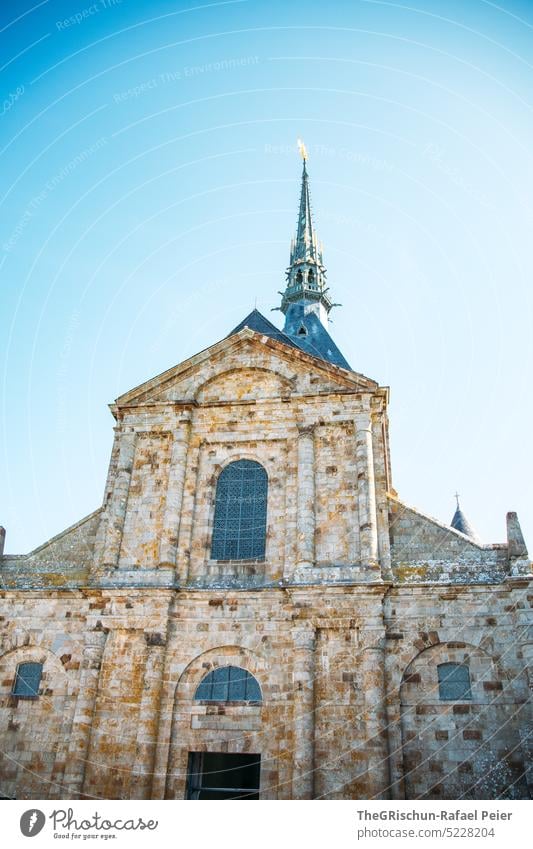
<point>32,822</point>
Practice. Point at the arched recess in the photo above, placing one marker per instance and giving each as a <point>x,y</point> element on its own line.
<point>232,727</point>
<point>213,459</point>
<point>33,730</point>
<point>244,384</point>
<point>465,748</point>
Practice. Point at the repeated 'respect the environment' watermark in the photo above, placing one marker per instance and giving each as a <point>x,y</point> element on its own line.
<point>50,185</point>
<point>435,153</point>
<point>63,417</point>
<point>343,153</point>
<point>180,74</point>
<point>88,12</point>
<point>11,99</point>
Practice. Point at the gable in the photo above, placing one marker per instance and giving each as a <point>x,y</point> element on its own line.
<point>245,366</point>
<point>425,549</point>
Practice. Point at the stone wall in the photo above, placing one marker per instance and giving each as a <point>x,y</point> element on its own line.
<point>38,627</point>
<point>348,675</point>
<point>343,623</point>
<point>470,748</point>
<point>64,560</point>
<point>143,523</point>
<point>252,399</point>
<point>424,549</point>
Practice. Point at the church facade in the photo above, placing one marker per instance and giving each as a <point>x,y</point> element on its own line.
<point>253,612</point>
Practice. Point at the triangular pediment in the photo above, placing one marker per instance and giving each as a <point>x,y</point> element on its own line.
<point>246,364</point>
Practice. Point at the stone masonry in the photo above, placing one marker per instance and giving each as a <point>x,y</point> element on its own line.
<point>344,622</point>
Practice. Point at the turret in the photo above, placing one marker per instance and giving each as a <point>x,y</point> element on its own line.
<point>460,522</point>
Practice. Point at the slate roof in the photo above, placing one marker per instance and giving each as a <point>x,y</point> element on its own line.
<point>257,321</point>
<point>317,342</point>
<point>461,523</point>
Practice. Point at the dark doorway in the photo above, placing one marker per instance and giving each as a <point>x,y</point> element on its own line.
<point>219,775</point>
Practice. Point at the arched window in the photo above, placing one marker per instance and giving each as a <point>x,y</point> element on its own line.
<point>454,682</point>
<point>239,527</point>
<point>228,684</point>
<point>27,680</point>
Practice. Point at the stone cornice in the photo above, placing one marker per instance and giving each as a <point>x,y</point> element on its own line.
<point>141,393</point>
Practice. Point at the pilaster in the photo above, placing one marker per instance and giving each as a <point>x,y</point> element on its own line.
<point>376,741</point>
<point>366,485</point>
<point>116,508</point>
<point>304,713</point>
<point>305,518</point>
<point>176,481</point>
<point>80,734</point>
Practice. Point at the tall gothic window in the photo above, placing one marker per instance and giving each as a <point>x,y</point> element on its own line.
<point>228,684</point>
<point>454,682</point>
<point>27,680</point>
<point>239,528</point>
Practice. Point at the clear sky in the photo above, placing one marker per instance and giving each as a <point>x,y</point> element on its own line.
<point>149,185</point>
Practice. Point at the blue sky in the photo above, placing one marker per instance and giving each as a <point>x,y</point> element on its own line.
<point>149,189</point>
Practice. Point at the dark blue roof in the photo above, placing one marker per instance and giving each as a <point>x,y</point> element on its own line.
<point>303,327</point>
<point>256,321</point>
<point>316,341</point>
<point>461,523</point>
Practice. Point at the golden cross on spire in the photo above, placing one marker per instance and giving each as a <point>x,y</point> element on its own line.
<point>303,150</point>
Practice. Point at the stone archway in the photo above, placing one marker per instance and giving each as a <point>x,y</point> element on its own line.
<point>229,727</point>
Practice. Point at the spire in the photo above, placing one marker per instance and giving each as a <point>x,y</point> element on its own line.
<point>306,275</point>
<point>304,247</point>
<point>461,523</point>
<point>305,301</point>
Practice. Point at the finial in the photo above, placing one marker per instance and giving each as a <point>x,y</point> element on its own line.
<point>303,150</point>
<point>457,499</point>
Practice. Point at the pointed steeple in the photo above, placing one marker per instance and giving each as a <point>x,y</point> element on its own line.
<point>305,301</point>
<point>306,275</point>
<point>461,523</point>
<point>304,247</point>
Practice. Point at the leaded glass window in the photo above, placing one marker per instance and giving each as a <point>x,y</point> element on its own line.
<point>239,528</point>
<point>228,684</point>
<point>27,679</point>
<point>454,682</point>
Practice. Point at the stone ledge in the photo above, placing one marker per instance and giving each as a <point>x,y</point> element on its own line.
<point>133,578</point>
<point>331,574</point>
